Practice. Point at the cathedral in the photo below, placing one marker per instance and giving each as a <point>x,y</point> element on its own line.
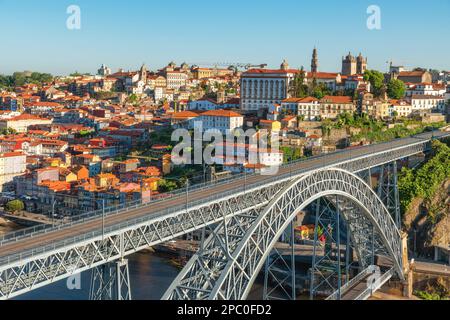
<point>353,65</point>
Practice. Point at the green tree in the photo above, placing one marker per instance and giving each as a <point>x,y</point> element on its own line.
<point>167,186</point>
<point>319,90</point>
<point>14,206</point>
<point>425,181</point>
<point>396,89</point>
<point>298,87</point>
<point>22,78</point>
<point>133,99</point>
<point>376,80</point>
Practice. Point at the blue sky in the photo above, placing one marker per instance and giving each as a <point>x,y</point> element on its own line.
<point>127,33</point>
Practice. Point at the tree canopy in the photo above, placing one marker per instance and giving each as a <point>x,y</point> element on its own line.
<point>22,78</point>
<point>425,181</point>
<point>14,205</point>
<point>376,80</point>
<point>396,89</point>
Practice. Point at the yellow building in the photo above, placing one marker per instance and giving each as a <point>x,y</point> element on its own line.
<point>202,73</point>
<point>67,176</point>
<point>270,125</point>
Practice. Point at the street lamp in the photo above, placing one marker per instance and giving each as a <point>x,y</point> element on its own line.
<point>103,218</point>
<point>53,212</point>
<point>245,180</point>
<point>187,193</point>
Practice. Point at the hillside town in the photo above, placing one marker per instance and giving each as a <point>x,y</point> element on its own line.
<point>83,142</point>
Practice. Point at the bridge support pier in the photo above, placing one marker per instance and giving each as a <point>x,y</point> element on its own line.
<point>388,190</point>
<point>111,282</point>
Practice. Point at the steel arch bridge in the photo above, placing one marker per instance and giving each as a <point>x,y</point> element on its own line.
<point>233,208</point>
<point>227,266</point>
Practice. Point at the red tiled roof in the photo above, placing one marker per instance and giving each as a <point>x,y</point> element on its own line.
<point>221,113</point>
<point>337,99</point>
<point>270,71</point>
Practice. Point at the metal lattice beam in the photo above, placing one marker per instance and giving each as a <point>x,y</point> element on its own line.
<point>233,278</point>
<point>39,266</point>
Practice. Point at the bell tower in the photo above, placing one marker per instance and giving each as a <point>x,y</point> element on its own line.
<point>314,61</point>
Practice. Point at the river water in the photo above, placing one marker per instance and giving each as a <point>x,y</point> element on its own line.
<point>150,276</point>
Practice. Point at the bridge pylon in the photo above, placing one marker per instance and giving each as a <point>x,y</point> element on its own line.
<point>388,190</point>
<point>111,281</point>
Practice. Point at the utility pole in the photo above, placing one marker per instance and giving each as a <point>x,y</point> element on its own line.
<point>245,180</point>
<point>103,219</point>
<point>53,212</point>
<point>187,193</point>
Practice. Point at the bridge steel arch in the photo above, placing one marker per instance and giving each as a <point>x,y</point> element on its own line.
<point>235,211</point>
<point>232,257</point>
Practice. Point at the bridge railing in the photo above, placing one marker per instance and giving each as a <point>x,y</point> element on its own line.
<point>125,208</point>
<point>84,217</point>
<point>372,288</point>
<point>355,280</point>
<point>126,223</point>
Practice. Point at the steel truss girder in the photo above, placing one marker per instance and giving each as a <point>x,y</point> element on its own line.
<point>326,268</point>
<point>20,275</point>
<point>388,190</point>
<point>282,273</point>
<point>111,281</point>
<point>233,278</point>
<point>29,274</point>
<point>372,161</point>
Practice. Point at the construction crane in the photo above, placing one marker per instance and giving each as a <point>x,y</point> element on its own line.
<point>233,65</point>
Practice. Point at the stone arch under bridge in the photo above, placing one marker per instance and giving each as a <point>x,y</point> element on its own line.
<point>229,261</point>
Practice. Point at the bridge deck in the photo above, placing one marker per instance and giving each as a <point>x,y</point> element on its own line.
<point>96,224</point>
<point>353,292</point>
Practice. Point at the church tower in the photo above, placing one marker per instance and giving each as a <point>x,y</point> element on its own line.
<point>314,61</point>
<point>284,65</point>
<point>361,64</point>
<point>143,73</point>
<point>349,65</point>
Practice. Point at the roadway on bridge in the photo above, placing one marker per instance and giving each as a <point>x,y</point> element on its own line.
<point>93,225</point>
<point>357,289</point>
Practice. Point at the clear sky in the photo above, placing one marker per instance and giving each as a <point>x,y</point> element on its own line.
<point>127,33</point>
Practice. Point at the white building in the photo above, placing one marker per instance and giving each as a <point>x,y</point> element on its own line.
<point>269,157</point>
<point>330,80</point>
<point>12,164</point>
<point>236,157</point>
<point>203,104</point>
<point>261,88</point>
<point>402,108</point>
<point>427,89</point>
<point>222,120</point>
<point>308,107</point>
<point>22,122</point>
<point>176,79</point>
<point>184,119</point>
<point>427,103</point>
